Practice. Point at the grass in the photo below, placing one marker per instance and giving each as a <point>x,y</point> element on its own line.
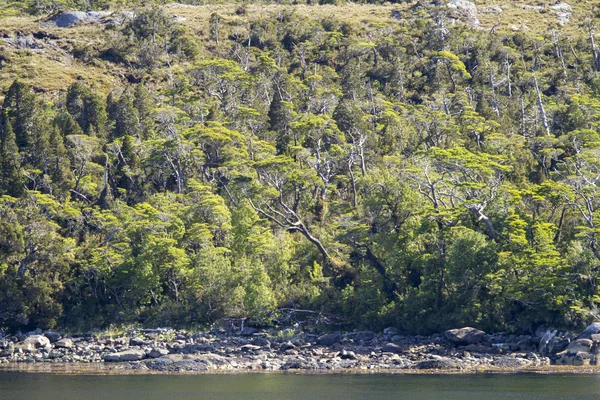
<point>54,68</point>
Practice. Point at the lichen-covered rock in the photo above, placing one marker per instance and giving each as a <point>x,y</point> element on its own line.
<point>465,10</point>
<point>67,19</point>
<point>37,341</point>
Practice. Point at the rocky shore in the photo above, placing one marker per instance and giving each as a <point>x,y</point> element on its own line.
<point>169,351</point>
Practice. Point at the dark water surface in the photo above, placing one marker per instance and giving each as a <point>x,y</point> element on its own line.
<point>24,386</point>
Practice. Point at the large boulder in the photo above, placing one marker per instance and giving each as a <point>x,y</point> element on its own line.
<point>37,341</point>
<point>391,348</point>
<point>465,11</point>
<point>464,336</point>
<point>593,329</point>
<point>125,355</point>
<point>67,19</point>
<point>52,336</point>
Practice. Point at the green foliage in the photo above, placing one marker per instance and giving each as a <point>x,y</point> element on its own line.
<point>412,174</point>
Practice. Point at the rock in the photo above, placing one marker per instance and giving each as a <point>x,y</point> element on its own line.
<point>348,355</point>
<point>156,353</point>
<point>329,340</point>
<point>493,10</point>
<point>37,341</point>
<point>52,336</point>
<point>510,362</point>
<point>391,348</point>
<point>465,11</point>
<point>438,363</point>
<point>390,331</point>
<point>249,347</point>
<point>260,341</point>
<point>361,336</point>
<point>464,336</point>
<point>125,355</point>
<point>544,345</point>
<point>563,12</point>
<point>530,7</point>
<point>287,346</point>
<point>479,348</point>
<point>65,343</point>
<point>580,345</point>
<point>68,19</point>
<point>248,331</point>
<point>593,329</point>
<point>137,341</point>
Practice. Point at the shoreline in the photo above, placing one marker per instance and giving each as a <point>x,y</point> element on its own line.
<point>158,351</point>
<point>102,369</point>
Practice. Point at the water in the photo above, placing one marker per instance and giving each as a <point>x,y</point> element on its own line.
<point>23,386</point>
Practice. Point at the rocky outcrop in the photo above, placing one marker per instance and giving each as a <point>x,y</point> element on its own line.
<point>465,11</point>
<point>68,19</point>
<point>464,336</point>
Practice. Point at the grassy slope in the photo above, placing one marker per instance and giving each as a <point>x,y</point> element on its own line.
<point>54,68</point>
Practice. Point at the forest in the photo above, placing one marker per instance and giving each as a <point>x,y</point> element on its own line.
<point>417,172</point>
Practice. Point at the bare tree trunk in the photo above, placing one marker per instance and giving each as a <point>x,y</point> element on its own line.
<point>541,106</point>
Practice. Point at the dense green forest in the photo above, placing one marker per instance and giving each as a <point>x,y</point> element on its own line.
<point>420,173</point>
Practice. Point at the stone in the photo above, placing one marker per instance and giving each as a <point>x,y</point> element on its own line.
<point>68,19</point>
<point>580,345</point>
<point>287,346</point>
<point>261,341</point>
<point>125,355</point>
<point>361,336</point>
<point>37,341</point>
<point>479,348</point>
<point>510,362</point>
<point>65,343</point>
<point>137,341</point>
<point>563,12</point>
<point>156,353</point>
<point>390,331</point>
<point>53,336</point>
<point>348,355</point>
<point>391,348</point>
<point>592,329</point>
<point>464,336</point>
<point>493,10</point>
<point>437,362</point>
<point>465,11</point>
<point>329,340</point>
<point>249,348</point>
<point>248,331</point>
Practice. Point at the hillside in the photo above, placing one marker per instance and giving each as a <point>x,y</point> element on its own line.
<point>414,165</point>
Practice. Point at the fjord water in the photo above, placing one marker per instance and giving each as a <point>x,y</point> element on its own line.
<point>21,386</point>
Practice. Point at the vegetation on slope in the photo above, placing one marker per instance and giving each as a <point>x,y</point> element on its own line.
<point>402,171</point>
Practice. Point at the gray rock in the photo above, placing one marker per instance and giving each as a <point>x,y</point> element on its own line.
<point>329,340</point>
<point>249,348</point>
<point>248,331</point>
<point>493,10</point>
<point>361,336</point>
<point>391,348</point>
<point>510,362</point>
<point>137,341</point>
<point>37,341</point>
<point>287,346</point>
<point>590,330</point>
<point>580,345</point>
<point>464,336</point>
<point>52,336</point>
<point>438,363</point>
<point>260,341</point>
<point>390,331</point>
<point>125,355</point>
<point>65,343</point>
<point>348,355</point>
<point>465,11</point>
<point>156,353</point>
<point>68,19</point>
